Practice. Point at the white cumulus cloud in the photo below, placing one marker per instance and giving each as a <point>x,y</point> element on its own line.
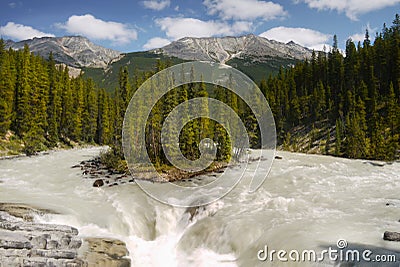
<point>156,5</point>
<point>359,37</point>
<point>303,36</point>
<point>352,8</point>
<point>156,42</point>
<point>176,28</point>
<point>21,32</point>
<point>245,9</point>
<point>97,29</point>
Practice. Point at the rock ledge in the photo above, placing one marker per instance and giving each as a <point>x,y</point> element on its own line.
<point>24,242</point>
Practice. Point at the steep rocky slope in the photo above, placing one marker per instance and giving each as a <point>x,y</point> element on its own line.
<point>223,49</point>
<point>74,51</point>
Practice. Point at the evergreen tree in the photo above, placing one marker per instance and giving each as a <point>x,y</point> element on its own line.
<point>22,92</point>
<point>54,103</point>
<point>103,131</point>
<point>327,142</point>
<point>67,109</point>
<point>7,83</point>
<point>338,142</point>
<point>89,115</point>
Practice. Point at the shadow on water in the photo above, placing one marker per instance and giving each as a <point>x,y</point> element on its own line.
<point>347,257</point>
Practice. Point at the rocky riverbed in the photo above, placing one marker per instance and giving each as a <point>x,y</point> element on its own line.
<point>102,176</point>
<point>25,242</point>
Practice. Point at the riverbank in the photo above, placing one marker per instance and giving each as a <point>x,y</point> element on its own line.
<point>25,242</point>
<point>20,154</point>
<point>12,146</point>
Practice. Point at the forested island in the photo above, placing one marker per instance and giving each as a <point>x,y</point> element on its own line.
<point>343,104</point>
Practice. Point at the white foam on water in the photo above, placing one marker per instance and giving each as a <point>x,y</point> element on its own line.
<point>307,202</point>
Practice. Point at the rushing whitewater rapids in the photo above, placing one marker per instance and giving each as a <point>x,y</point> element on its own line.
<point>307,202</point>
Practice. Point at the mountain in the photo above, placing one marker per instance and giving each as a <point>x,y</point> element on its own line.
<point>255,56</point>
<point>223,49</point>
<point>74,51</point>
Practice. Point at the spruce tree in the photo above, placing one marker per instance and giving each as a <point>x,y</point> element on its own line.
<point>7,83</point>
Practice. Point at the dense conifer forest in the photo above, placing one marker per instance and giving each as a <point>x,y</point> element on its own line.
<point>42,106</point>
<point>349,101</point>
<point>343,104</point>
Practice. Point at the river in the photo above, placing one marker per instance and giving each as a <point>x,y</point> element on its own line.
<point>308,202</point>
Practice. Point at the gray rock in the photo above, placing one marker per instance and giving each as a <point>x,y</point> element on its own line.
<point>37,227</point>
<point>52,244</point>
<point>391,236</point>
<point>14,253</point>
<point>56,254</point>
<point>11,261</point>
<point>24,243</point>
<point>35,262</point>
<point>75,244</point>
<point>10,240</point>
<point>75,263</point>
<point>39,242</point>
<point>65,241</point>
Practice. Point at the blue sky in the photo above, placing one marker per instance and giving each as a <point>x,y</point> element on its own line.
<point>140,25</point>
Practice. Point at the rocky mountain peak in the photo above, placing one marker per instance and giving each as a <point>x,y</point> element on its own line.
<point>222,49</point>
<point>74,51</point>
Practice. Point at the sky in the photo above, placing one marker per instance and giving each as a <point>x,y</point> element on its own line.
<point>129,26</point>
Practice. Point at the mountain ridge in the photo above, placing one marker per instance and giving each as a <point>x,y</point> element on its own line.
<point>74,51</point>
<point>255,56</point>
<point>223,49</point>
<point>80,52</point>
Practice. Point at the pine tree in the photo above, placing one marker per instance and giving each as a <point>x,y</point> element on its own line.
<point>34,137</point>
<point>357,145</point>
<point>184,139</point>
<point>392,111</point>
<point>327,142</point>
<point>22,92</point>
<point>89,115</point>
<point>287,142</point>
<point>338,142</point>
<point>67,110</point>
<point>103,131</point>
<point>77,103</point>
<point>7,83</point>
<point>54,103</point>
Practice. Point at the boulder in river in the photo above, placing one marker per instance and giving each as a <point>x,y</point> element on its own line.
<point>391,236</point>
<point>98,183</point>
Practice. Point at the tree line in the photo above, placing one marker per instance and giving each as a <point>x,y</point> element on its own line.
<point>352,99</point>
